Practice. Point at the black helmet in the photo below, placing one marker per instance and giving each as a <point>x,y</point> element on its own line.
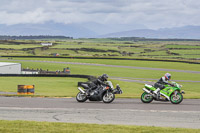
<point>104,77</point>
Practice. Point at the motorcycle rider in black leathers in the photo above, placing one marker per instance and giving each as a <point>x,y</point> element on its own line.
<point>160,84</point>
<point>97,82</point>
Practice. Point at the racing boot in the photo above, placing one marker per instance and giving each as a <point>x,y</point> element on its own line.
<point>157,92</point>
<point>88,92</point>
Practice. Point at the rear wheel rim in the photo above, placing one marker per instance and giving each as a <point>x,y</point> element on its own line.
<point>81,96</point>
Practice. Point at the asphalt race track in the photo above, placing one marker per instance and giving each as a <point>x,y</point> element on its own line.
<point>121,111</point>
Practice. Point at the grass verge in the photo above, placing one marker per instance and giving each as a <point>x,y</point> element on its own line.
<point>53,127</point>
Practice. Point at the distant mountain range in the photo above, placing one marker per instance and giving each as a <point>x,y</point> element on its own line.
<point>186,32</point>
<point>91,30</point>
<point>72,30</point>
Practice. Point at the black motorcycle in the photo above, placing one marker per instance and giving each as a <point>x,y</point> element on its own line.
<point>102,92</point>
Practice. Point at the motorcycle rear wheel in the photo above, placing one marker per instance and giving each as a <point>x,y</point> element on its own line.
<point>146,97</point>
<point>80,97</point>
<point>108,97</point>
<point>176,99</point>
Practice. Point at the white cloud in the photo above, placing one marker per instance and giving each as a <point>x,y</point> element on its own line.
<point>36,16</point>
<point>152,13</point>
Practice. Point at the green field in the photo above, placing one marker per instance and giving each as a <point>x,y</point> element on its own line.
<point>189,50</point>
<point>173,46</point>
<point>46,127</point>
<point>152,64</point>
<point>22,46</point>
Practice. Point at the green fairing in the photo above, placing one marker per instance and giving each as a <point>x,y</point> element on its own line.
<point>168,90</point>
<point>169,93</point>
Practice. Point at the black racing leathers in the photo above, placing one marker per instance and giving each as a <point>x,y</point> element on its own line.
<point>94,84</point>
<point>97,82</point>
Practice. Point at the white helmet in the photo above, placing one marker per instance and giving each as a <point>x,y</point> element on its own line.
<point>168,76</point>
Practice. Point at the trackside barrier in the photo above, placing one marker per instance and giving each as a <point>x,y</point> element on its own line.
<point>25,89</point>
<point>30,89</point>
<point>47,75</point>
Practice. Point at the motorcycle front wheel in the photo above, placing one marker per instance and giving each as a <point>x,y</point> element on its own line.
<point>146,97</point>
<point>108,97</point>
<point>176,99</point>
<point>80,97</point>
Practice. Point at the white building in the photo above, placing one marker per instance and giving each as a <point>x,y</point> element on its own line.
<point>30,72</point>
<point>10,68</point>
<point>46,44</point>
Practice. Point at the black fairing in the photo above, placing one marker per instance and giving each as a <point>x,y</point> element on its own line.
<point>97,96</point>
<point>85,86</point>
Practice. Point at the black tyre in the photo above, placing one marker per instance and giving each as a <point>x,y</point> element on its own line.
<point>80,97</point>
<point>146,97</point>
<point>176,99</point>
<point>108,97</point>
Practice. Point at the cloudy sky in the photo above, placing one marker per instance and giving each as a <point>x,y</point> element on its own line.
<point>153,14</point>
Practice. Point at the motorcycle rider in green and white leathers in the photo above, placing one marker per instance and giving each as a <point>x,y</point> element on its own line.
<point>160,84</point>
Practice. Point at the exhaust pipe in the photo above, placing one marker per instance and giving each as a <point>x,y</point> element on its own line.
<point>81,90</point>
<point>144,89</point>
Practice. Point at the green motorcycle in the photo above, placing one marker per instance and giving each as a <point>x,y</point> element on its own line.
<point>169,93</point>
